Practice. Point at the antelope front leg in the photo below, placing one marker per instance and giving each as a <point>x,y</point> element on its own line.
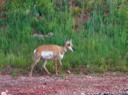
<point>44,66</point>
<point>56,67</point>
<point>60,65</point>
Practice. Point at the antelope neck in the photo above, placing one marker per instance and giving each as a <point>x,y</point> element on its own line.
<point>64,49</point>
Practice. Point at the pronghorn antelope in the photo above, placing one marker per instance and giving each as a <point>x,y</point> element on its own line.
<point>48,52</point>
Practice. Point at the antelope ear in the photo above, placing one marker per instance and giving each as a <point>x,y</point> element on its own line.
<point>71,39</point>
<point>66,40</point>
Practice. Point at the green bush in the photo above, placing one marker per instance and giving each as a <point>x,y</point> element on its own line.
<point>101,42</point>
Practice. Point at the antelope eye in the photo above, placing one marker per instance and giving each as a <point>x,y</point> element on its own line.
<point>68,44</point>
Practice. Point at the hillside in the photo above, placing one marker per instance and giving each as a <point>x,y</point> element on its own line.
<point>99,29</point>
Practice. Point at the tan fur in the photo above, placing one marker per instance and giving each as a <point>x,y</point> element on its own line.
<point>54,48</point>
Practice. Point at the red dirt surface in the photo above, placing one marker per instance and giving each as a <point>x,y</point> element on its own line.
<point>67,85</point>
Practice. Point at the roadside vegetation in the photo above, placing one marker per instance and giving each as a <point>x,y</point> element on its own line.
<point>99,29</point>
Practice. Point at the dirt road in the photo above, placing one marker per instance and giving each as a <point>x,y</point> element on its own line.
<point>67,85</point>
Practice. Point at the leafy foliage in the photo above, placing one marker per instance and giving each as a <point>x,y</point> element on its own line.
<point>98,28</point>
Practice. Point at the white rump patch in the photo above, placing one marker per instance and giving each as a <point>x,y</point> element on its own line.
<point>34,50</point>
<point>47,55</point>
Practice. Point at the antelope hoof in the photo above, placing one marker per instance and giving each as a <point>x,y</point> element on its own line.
<point>49,74</point>
<point>30,75</point>
<point>57,74</point>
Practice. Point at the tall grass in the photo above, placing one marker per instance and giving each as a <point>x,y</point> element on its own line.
<point>101,41</point>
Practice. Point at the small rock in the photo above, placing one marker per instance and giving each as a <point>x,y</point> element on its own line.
<point>3,93</point>
<point>68,71</point>
<point>50,34</point>
<point>38,35</point>
<point>114,73</point>
<point>82,94</point>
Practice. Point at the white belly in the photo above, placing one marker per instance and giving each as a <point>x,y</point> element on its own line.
<point>47,55</point>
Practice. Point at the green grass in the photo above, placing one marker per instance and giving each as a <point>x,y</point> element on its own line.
<point>101,43</point>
